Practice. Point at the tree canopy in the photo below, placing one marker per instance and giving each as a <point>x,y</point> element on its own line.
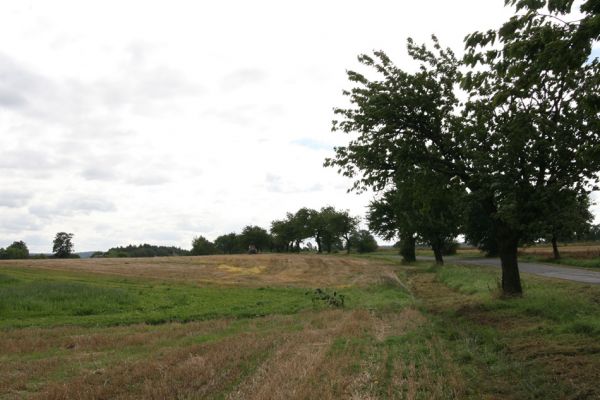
<point>17,250</point>
<point>516,118</point>
<point>62,246</point>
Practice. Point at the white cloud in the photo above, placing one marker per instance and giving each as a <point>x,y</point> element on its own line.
<point>196,119</point>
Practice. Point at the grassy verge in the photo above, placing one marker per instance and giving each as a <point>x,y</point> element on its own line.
<point>545,343</point>
<point>589,263</point>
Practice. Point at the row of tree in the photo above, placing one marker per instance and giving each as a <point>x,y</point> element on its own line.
<point>508,136</point>
<point>142,250</point>
<point>331,230</point>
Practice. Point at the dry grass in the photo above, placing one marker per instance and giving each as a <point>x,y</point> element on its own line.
<point>276,357</point>
<point>235,270</point>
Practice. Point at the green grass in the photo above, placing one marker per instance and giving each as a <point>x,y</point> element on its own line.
<point>47,298</point>
<point>561,307</point>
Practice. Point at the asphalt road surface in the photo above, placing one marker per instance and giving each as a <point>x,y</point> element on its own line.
<point>547,270</point>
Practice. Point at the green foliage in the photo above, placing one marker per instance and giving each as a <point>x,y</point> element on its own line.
<point>17,250</point>
<point>528,125</point>
<point>142,250</point>
<point>568,216</point>
<point>592,234</point>
<point>255,236</point>
<point>328,226</point>
<point>363,242</point>
<point>62,246</point>
<point>230,244</point>
<point>334,299</point>
<point>202,247</point>
<point>423,203</point>
<point>450,248</point>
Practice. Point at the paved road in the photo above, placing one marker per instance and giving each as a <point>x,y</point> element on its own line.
<point>548,270</point>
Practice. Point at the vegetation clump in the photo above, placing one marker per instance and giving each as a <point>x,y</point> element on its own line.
<point>335,299</point>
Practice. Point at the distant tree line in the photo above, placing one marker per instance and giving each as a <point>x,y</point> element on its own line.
<point>142,250</point>
<point>332,230</point>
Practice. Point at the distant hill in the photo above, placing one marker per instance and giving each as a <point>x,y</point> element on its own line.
<point>85,254</point>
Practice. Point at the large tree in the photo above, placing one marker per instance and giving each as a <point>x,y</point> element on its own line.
<point>253,235</point>
<point>62,246</point>
<point>229,244</point>
<point>528,119</point>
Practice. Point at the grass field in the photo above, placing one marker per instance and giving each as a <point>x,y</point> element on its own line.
<point>247,327</point>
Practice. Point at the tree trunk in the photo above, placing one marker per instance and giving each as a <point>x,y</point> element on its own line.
<point>347,244</point>
<point>319,247</point>
<point>437,252</point>
<point>407,248</point>
<point>508,244</point>
<point>555,248</point>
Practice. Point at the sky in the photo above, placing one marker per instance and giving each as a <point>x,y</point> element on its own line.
<point>154,122</point>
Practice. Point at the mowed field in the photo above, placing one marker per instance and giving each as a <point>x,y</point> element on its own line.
<point>249,327</point>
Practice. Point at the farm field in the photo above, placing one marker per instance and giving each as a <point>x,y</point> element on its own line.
<point>581,255</point>
<point>250,327</point>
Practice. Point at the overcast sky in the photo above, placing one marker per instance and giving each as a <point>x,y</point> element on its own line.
<point>132,122</point>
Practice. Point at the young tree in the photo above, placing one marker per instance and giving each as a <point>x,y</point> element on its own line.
<point>346,225</point>
<point>529,121</point>
<point>568,217</point>
<point>426,205</point>
<point>62,246</point>
<point>390,217</point>
<point>363,241</point>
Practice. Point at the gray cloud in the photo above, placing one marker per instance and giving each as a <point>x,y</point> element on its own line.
<point>17,81</point>
<point>99,173</point>
<point>14,199</point>
<point>24,159</point>
<point>274,183</point>
<point>18,222</point>
<point>69,207</point>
